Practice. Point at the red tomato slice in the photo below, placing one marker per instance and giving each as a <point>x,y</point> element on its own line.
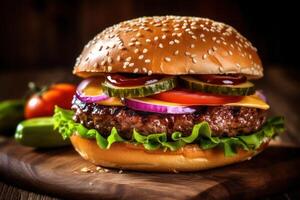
<point>194,98</point>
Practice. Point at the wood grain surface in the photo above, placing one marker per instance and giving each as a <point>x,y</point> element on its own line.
<point>58,172</point>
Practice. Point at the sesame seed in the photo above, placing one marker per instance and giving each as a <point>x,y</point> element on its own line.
<point>144,69</point>
<point>138,34</point>
<point>141,57</point>
<point>194,60</point>
<point>155,38</point>
<point>101,47</point>
<point>109,59</point>
<point>103,62</point>
<point>176,52</point>
<point>122,48</point>
<point>187,53</point>
<point>168,59</point>
<point>179,34</point>
<point>148,40</point>
<point>126,63</point>
<point>133,39</point>
<point>192,71</point>
<point>163,37</point>
<point>145,50</point>
<point>221,69</point>
<point>131,64</point>
<point>147,61</point>
<point>161,45</point>
<point>149,73</point>
<point>250,56</point>
<point>171,42</point>
<point>128,59</point>
<point>204,56</point>
<point>165,29</point>
<point>136,50</point>
<point>130,43</point>
<point>194,37</point>
<point>109,68</point>
<point>203,40</point>
<point>95,65</point>
<point>192,46</point>
<point>213,38</point>
<point>118,58</point>
<point>230,53</point>
<point>193,23</point>
<point>202,35</point>
<point>218,41</point>
<point>238,65</point>
<point>214,48</point>
<point>137,43</point>
<point>135,70</point>
<point>210,52</point>
<point>176,41</point>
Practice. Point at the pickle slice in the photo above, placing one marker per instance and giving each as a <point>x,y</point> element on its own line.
<point>140,91</point>
<point>242,89</point>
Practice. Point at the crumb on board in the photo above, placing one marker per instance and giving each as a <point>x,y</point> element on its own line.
<point>98,169</point>
<point>101,169</point>
<point>86,170</point>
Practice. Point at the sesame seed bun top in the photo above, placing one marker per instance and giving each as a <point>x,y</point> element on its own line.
<point>169,45</point>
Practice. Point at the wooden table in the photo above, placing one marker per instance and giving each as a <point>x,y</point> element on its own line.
<point>280,85</point>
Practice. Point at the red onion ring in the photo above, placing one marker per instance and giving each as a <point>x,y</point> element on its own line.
<point>89,99</point>
<point>261,95</point>
<point>148,107</point>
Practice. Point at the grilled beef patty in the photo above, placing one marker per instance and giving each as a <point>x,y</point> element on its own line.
<point>223,120</point>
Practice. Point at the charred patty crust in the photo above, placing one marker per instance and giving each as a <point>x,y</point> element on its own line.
<point>223,120</point>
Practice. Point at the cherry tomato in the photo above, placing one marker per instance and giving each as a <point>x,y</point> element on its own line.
<point>184,96</point>
<point>39,105</point>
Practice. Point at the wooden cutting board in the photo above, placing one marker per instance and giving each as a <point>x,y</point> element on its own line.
<point>59,173</point>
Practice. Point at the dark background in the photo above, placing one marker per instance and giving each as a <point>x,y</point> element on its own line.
<point>46,34</point>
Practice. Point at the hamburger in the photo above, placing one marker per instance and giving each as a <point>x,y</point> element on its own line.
<point>168,94</point>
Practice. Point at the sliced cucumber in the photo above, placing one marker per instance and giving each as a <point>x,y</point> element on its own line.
<point>242,89</point>
<point>39,133</point>
<point>140,91</point>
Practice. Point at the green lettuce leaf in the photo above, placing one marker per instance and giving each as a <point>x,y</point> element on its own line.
<point>201,134</point>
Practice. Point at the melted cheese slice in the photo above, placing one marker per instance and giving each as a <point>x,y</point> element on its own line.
<point>252,101</point>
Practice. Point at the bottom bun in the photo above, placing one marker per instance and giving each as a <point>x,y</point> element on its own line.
<point>134,157</point>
